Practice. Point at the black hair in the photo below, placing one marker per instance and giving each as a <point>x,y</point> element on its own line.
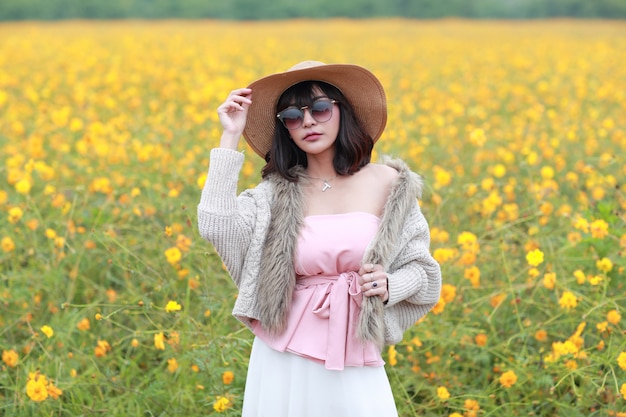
<point>353,144</point>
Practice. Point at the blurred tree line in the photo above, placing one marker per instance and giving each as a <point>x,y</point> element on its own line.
<point>284,9</point>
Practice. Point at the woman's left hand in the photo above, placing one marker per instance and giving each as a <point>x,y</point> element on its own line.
<point>373,281</point>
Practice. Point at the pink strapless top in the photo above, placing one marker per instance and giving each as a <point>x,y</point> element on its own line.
<point>326,302</point>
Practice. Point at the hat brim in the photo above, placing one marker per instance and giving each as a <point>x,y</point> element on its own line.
<point>362,89</point>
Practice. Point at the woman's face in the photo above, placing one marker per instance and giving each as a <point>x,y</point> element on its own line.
<point>319,128</point>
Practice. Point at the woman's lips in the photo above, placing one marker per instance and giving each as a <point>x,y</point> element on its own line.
<point>312,136</point>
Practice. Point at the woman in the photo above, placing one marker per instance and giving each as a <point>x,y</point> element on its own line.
<point>330,252</point>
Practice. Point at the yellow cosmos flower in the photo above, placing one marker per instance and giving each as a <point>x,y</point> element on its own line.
<point>48,331</point>
<point>508,379</point>
<point>10,358</point>
<point>172,365</point>
<point>228,377</point>
<point>83,325</point>
<point>173,255</point>
<point>442,393</point>
<point>222,404</point>
<point>534,257</point>
<point>580,276</point>
<point>541,335</point>
<point>605,265</point>
<point>549,280</point>
<point>448,292</point>
<point>621,360</point>
<point>481,339</point>
<point>568,300</point>
<point>473,275</point>
<point>623,390</point>
<point>7,244</point>
<point>23,186</point>
<point>159,341</point>
<point>15,214</point>
<point>172,306</point>
<point>613,317</point>
<point>599,229</point>
<point>392,354</point>
<point>37,387</point>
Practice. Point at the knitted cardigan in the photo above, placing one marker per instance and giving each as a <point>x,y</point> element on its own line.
<point>255,234</point>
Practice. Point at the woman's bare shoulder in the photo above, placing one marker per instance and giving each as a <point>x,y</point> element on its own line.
<point>384,173</point>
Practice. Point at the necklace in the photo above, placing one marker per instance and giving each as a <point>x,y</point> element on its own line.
<point>325,182</point>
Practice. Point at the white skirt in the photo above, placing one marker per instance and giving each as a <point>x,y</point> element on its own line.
<point>281,384</point>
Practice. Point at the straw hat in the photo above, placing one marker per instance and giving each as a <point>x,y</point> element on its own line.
<point>362,89</point>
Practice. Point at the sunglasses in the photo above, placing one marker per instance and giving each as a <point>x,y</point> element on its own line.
<point>321,110</point>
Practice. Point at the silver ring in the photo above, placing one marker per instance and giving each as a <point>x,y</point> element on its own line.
<point>374,284</point>
<point>371,276</point>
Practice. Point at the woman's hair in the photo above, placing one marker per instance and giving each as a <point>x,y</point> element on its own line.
<point>353,144</point>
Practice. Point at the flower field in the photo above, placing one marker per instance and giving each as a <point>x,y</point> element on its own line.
<point>111,304</point>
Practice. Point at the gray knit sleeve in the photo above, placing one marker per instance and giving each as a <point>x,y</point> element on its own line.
<point>414,279</point>
<point>224,218</point>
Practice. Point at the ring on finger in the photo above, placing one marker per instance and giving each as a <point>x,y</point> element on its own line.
<point>374,284</point>
<point>371,276</point>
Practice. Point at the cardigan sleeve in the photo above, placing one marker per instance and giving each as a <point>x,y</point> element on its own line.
<point>414,279</point>
<point>224,218</point>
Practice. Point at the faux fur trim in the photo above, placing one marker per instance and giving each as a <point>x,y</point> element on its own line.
<point>277,276</point>
<point>407,187</point>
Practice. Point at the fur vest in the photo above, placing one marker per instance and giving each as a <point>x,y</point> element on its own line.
<point>274,295</point>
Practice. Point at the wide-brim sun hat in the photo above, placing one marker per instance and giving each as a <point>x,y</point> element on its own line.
<point>360,86</point>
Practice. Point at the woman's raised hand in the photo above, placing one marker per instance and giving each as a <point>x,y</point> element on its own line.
<point>233,113</point>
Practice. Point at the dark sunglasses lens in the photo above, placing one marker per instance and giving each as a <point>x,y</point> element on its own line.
<point>291,118</point>
<point>322,110</point>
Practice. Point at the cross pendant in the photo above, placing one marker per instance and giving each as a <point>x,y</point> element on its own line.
<point>326,186</point>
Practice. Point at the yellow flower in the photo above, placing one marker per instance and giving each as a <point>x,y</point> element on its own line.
<point>7,244</point>
<point>37,387</point>
<point>10,358</point>
<point>596,280</point>
<point>580,276</point>
<point>102,348</point>
<point>47,330</point>
<point>222,404</point>
<point>599,229</point>
<point>201,180</point>
<point>15,214</point>
<point>481,339</point>
<point>534,257</point>
<point>173,255</point>
<point>468,242</point>
<point>183,243</point>
<point>508,379</point>
<point>568,300</point>
<point>621,360</point>
<point>440,306</point>
<point>172,306</point>
<point>549,280</point>
<point>172,365</point>
<point>83,325</point>
<point>23,186</point>
<point>442,393</point>
<point>473,275</point>
<point>448,293</point>
<point>392,354</point>
<point>541,335</point>
<point>623,390</point>
<point>159,340</point>
<point>228,377</point>
<point>613,317</point>
<point>53,391</point>
<point>605,265</point>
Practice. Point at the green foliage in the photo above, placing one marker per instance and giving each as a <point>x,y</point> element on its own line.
<point>285,9</point>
